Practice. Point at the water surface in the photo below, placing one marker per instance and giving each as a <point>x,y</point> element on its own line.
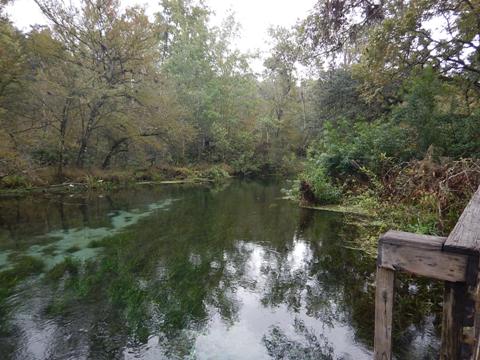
<point>190,272</point>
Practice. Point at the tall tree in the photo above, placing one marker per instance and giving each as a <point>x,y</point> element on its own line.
<point>115,54</point>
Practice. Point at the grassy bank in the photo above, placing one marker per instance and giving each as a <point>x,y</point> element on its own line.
<point>77,180</point>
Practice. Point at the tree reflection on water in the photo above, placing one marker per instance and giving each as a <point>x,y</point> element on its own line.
<point>231,273</point>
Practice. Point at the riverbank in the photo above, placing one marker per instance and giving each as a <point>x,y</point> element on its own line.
<point>78,180</point>
<point>373,215</point>
<point>422,196</point>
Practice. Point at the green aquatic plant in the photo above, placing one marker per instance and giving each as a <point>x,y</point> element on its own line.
<point>24,266</point>
<point>73,249</point>
<point>95,244</point>
<point>49,250</point>
<point>69,265</point>
<point>183,274</point>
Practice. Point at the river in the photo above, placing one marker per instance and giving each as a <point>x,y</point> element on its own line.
<point>193,272</point>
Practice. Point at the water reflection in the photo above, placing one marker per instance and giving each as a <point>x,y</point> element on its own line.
<point>235,273</point>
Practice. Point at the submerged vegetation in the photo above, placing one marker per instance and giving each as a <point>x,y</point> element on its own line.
<point>24,266</point>
<point>205,272</point>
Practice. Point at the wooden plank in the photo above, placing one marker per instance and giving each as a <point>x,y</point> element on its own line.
<point>475,344</point>
<point>471,312</point>
<point>421,255</point>
<point>410,239</point>
<point>383,314</point>
<point>452,321</point>
<point>465,237</point>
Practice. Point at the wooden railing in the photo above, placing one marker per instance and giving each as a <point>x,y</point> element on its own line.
<point>454,260</point>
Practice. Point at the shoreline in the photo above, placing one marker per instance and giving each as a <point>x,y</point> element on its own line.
<point>75,187</point>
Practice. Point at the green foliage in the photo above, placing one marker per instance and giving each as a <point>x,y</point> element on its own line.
<point>216,174</point>
<point>45,156</point>
<point>14,181</point>
<point>338,96</point>
<point>324,190</point>
<point>95,183</point>
<point>434,111</point>
<point>346,148</point>
<point>247,164</point>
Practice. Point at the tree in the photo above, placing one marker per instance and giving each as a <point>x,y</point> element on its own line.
<point>284,120</point>
<point>114,55</point>
<point>14,71</point>
<point>338,27</point>
<point>393,38</point>
<point>410,40</point>
<point>338,96</point>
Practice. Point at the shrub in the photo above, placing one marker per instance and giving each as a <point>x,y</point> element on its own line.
<point>318,182</point>
<point>215,173</point>
<point>346,148</point>
<point>14,181</point>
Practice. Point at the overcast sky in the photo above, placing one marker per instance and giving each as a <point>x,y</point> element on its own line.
<point>255,16</point>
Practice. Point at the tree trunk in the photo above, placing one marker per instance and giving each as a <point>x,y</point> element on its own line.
<point>92,119</point>
<point>115,149</point>
<point>83,147</point>
<point>63,131</point>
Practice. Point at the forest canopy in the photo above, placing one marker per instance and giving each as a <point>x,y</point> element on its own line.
<point>356,87</point>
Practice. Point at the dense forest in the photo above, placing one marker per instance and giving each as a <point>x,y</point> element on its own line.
<point>359,98</point>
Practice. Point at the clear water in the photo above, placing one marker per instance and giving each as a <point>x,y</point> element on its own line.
<point>178,272</point>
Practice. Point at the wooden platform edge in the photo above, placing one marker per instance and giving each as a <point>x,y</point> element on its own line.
<point>465,236</point>
<point>421,255</point>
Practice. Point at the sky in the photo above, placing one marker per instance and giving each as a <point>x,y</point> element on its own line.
<point>254,16</point>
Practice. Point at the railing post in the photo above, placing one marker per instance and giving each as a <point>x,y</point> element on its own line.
<point>384,313</point>
<point>452,321</point>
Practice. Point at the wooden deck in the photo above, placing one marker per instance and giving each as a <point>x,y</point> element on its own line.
<point>453,260</point>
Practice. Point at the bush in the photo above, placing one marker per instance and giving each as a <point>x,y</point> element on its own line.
<point>346,148</point>
<point>246,164</point>
<point>14,181</point>
<point>318,182</point>
<point>215,173</point>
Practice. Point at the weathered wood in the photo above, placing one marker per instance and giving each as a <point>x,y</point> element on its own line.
<point>471,312</point>
<point>409,239</point>
<point>465,237</point>
<point>476,328</point>
<point>452,321</point>
<point>384,313</point>
<point>421,255</point>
